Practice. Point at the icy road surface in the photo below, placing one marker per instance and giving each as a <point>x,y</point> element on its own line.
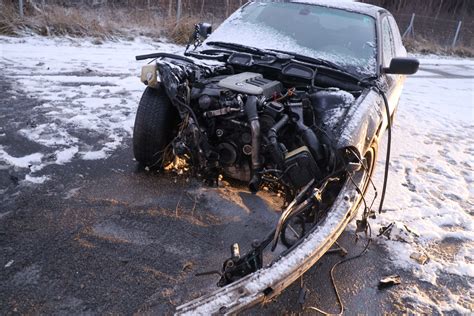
<point>78,103</point>
<point>83,88</point>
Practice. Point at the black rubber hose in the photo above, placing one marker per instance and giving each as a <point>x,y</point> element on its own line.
<point>278,125</point>
<point>389,145</point>
<point>273,137</point>
<point>167,55</point>
<point>311,140</point>
<point>308,136</point>
<point>252,115</point>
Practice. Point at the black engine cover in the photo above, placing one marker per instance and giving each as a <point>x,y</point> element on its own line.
<point>251,83</point>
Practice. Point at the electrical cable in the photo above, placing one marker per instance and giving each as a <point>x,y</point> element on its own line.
<point>366,247</point>
<point>389,145</point>
<point>382,198</point>
<point>333,282</point>
<point>190,111</point>
<point>367,210</point>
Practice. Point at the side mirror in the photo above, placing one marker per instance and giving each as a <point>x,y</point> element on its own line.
<point>204,29</point>
<point>402,66</point>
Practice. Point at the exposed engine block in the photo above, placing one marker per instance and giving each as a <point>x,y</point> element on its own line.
<point>252,84</point>
<point>253,125</point>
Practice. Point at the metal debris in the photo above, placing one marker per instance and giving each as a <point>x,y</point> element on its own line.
<point>399,232</point>
<point>340,250</point>
<point>389,281</point>
<point>419,257</point>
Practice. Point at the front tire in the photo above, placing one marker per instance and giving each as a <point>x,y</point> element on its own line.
<point>155,123</point>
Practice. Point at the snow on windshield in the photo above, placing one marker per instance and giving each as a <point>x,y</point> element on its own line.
<point>351,5</point>
<point>343,37</point>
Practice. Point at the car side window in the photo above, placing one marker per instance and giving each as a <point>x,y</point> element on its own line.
<point>400,50</point>
<point>388,43</point>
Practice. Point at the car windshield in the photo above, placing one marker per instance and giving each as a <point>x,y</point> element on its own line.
<point>342,37</point>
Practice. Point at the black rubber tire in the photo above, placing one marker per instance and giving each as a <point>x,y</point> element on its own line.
<point>154,127</point>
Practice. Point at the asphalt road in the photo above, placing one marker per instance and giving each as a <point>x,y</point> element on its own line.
<point>103,236</point>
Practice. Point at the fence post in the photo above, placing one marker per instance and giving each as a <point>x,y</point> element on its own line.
<point>178,11</point>
<point>457,34</point>
<point>410,29</point>
<point>20,3</point>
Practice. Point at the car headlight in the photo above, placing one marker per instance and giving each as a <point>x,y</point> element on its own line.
<point>150,76</point>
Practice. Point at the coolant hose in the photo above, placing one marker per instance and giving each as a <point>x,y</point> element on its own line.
<point>307,134</point>
<point>311,140</point>
<point>273,138</point>
<point>252,115</point>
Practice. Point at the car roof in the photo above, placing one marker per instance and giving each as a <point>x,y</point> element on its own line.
<point>348,5</point>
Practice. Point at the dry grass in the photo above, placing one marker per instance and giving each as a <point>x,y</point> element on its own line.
<point>424,46</point>
<point>110,23</point>
<point>102,23</point>
<point>180,32</point>
<point>9,20</point>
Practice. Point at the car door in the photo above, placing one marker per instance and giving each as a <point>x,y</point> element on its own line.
<point>388,48</point>
<point>392,47</point>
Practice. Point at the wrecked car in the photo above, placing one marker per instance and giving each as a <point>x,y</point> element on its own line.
<point>292,97</point>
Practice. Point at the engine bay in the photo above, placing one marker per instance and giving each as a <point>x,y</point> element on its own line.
<point>274,123</point>
<point>258,130</point>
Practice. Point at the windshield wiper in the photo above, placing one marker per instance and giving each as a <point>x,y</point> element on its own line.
<point>213,54</point>
<point>312,60</point>
<point>252,50</point>
<point>319,61</point>
<point>284,55</point>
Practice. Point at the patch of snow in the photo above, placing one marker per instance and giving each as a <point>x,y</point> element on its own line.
<point>444,60</point>
<point>66,155</point>
<point>36,180</point>
<point>20,162</point>
<point>49,134</point>
<point>9,263</point>
<point>94,155</point>
<point>351,5</point>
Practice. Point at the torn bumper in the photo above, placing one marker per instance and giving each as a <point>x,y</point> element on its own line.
<point>273,279</point>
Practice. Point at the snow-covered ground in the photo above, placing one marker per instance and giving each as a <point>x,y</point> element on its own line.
<point>430,188</point>
<point>84,87</point>
<point>89,95</point>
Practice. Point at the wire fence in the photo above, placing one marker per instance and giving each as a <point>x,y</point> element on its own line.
<point>444,32</point>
